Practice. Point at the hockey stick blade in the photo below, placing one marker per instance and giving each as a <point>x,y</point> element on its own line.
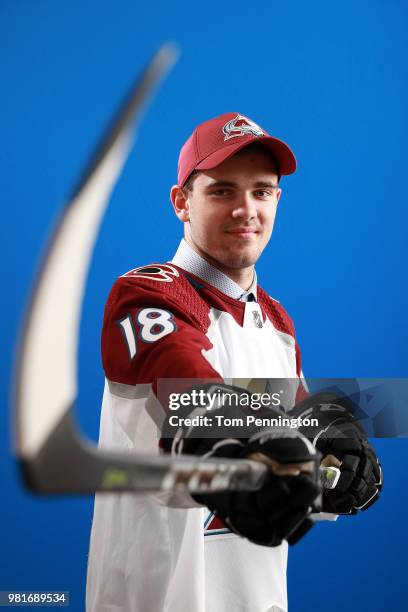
<point>46,369</point>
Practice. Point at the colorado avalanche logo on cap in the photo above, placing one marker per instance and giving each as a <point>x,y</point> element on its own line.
<point>241,126</point>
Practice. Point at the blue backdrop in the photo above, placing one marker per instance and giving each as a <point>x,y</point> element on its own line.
<point>331,80</point>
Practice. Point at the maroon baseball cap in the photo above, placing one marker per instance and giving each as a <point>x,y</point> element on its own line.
<point>213,141</point>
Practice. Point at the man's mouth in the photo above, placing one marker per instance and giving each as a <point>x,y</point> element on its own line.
<point>243,231</point>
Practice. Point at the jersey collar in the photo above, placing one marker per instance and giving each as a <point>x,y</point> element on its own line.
<point>190,261</point>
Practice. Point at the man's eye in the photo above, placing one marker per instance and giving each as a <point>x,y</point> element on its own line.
<point>221,192</point>
<point>262,193</point>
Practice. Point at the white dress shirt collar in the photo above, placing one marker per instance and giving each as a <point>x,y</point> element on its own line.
<point>191,261</point>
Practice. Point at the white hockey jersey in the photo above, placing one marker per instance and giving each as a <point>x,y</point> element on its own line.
<point>163,322</point>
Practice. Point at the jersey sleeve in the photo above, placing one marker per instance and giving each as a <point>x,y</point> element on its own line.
<point>151,332</point>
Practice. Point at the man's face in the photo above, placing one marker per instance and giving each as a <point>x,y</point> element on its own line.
<point>231,209</point>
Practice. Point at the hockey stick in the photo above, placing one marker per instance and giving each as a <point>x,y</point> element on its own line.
<point>53,456</point>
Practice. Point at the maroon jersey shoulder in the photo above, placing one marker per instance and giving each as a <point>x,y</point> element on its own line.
<point>155,326</point>
<point>164,285</point>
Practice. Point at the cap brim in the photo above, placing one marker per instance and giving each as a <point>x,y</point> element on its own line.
<point>281,152</point>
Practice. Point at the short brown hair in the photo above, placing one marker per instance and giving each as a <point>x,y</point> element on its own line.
<point>188,185</point>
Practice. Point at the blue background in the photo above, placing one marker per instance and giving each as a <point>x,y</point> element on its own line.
<point>331,80</point>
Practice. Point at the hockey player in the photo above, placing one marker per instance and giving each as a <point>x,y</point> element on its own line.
<point>203,317</point>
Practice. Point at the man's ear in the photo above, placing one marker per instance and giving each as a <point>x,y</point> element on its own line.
<point>179,199</point>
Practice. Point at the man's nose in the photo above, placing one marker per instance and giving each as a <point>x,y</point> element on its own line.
<point>245,207</point>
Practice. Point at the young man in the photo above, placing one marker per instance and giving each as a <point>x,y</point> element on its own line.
<point>204,317</point>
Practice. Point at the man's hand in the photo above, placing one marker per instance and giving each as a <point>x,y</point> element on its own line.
<point>343,444</point>
<point>280,508</point>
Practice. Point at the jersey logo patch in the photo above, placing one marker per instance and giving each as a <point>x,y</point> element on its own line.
<point>163,272</point>
<point>241,126</point>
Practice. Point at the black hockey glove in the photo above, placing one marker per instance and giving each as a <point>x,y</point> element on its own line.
<point>339,435</point>
<point>280,508</point>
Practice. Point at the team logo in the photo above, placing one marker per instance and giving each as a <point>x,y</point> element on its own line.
<point>163,272</point>
<point>241,126</point>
